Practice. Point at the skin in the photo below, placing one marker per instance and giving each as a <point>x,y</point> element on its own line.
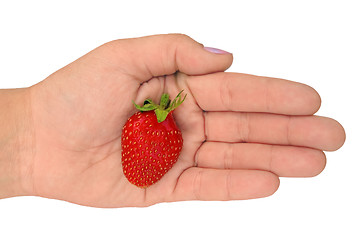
<point>241,132</point>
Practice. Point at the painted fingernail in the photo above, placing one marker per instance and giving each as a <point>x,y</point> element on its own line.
<point>216,50</point>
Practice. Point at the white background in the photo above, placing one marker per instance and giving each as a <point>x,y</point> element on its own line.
<point>313,42</point>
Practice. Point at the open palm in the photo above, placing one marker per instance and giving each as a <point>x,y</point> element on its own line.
<point>240,132</point>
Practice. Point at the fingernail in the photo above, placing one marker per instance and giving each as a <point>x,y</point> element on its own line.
<point>216,50</point>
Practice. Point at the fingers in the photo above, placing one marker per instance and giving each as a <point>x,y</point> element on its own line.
<point>308,131</point>
<point>214,184</point>
<point>242,92</point>
<point>284,161</point>
<point>160,55</point>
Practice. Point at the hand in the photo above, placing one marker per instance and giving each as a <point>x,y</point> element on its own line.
<point>240,132</point>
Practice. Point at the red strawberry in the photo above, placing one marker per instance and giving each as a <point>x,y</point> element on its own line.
<point>151,141</point>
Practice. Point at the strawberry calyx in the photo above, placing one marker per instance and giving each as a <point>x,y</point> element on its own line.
<point>164,108</point>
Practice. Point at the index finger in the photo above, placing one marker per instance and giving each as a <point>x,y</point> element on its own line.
<point>248,93</point>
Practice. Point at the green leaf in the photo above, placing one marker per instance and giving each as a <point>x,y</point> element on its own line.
<point>161,115</point>
<point>146,107</point>
<point>176,102</point>
<point>165,106</point>
<point>164,101</point>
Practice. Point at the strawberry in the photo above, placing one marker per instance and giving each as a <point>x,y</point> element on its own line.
<point>151,141</point>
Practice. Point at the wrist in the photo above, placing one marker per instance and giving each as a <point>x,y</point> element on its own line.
<point>15,143</point>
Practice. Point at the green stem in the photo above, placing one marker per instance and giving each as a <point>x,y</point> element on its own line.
<point>164,108</point>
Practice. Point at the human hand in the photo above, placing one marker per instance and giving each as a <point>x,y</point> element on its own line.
<point>241,132</point>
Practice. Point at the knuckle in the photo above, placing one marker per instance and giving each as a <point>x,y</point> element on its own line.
<point>179,36</point>
<point>228,187</point>
<point>243,128</point>
<point>228,156</point>
<point>197,185</point>
<point>174,39</point>
<point>226,94</point>
<point>271,157</point>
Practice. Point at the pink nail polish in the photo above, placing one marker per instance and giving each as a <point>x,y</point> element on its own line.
<point>216,50</point>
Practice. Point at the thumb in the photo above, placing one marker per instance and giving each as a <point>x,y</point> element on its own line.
<point>158,55</point>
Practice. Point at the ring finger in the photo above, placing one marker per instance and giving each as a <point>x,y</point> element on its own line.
<point>306,131</point>
<point>284,161</point>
